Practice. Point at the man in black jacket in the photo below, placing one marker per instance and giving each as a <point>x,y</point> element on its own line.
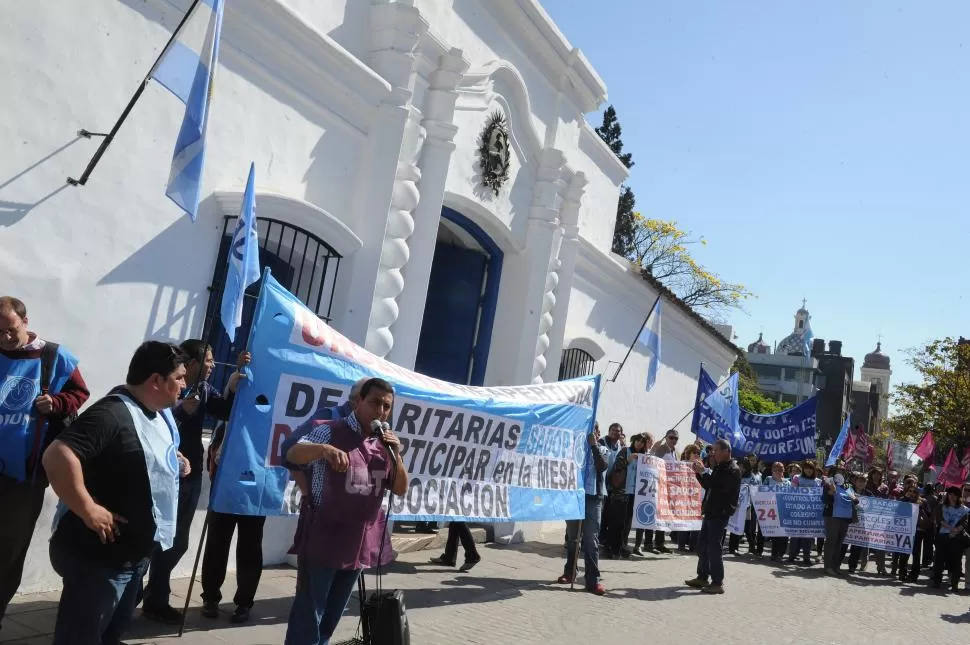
<point>723,485</point>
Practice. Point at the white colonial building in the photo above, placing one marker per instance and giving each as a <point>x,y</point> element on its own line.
<point>367,121</point>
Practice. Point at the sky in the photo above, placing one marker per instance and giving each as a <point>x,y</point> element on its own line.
<point>821,148</point>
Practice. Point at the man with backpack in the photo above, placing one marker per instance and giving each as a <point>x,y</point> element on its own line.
<point>41,391</point>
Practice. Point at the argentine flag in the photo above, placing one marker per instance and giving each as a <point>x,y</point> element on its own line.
<point>839,444</point>
<point>724,402</point>
<point>187,69</point>
<point>243,262</point>
<point>649,339</point>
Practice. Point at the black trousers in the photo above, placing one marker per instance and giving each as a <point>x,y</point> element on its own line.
<point>949,556</point>
<point>459,531</point>
<point>621,517</point>
<point>21,505</point>
<point>249,556</point>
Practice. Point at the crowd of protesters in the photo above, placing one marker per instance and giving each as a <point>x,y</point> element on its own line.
<point>941,543</point>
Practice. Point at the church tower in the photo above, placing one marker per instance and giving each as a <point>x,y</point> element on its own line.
<point>876,369</point>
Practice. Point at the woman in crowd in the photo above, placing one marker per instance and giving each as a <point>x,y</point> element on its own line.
<point>875,487</point>
<point>622,485</point>
<point>808,479</point>
<point>911,495</point>
<point>794,470</point>
<point>858,553</point>
<point>687,540</point>
<point>951,517</point>
<point>925,532</point>
<point>749,477</point>
<point>838,505</point>
<point>778,481</point>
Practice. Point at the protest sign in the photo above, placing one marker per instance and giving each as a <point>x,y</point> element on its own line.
<point>736,523</point>
<point>789,512</point>
<point>786,436</point>
<point>884,524</point>
<point>472,453</point>
<point>668,495</point>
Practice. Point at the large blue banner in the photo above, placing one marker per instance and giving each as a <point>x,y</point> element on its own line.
<point>786,436</point>
<point>477,454</point>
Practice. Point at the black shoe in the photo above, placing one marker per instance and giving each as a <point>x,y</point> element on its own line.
<point>662,549</point>
<point>165,614</point>
<point>241,615</point>
<point>210,609</point>
<point>470,563</point>
<point>443,561</point>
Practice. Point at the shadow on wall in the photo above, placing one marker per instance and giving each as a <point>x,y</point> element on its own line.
<point>12,212</point>
<point>179,261</point>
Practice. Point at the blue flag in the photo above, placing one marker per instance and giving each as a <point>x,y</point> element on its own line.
<point>243,269</point>
<point>724,402</point>
<point>649,339</point>
<point>187,69</point>
<point>839,444</point>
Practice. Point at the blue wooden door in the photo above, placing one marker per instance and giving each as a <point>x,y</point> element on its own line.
<point>451,314</point>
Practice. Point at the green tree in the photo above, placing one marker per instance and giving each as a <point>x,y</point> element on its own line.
<point>624,232</point>
<point>940,402</point>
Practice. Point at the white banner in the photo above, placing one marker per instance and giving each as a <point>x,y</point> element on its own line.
<point>668,496</point>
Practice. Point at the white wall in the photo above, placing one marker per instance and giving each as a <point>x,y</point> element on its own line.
<point>607,306</point>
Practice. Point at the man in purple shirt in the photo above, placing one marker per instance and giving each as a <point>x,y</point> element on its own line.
<point>351,469</point>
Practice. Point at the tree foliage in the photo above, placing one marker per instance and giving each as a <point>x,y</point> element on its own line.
<point>941,402</point>
<point>661,249</point>
<point>624,232</point>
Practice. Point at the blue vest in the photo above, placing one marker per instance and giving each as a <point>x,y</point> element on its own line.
<point>20,385</point>
<point>842,503</point>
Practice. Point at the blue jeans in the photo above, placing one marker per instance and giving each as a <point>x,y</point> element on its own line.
<point>710,564</point>
<point>159,588</point>
<point>590,544</point>
<point>97,601</point>
<point>321,597</point>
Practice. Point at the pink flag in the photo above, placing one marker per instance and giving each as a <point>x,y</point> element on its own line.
<point>926,447</point>
<point>889,455</point>
<point>952,470</point>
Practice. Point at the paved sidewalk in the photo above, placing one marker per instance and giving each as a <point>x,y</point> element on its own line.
<point>509,597</point>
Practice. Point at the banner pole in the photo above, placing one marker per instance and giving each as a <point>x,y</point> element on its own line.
<point>110,136</point>
<point>636,338</point>
<point>195,568</point>
<point>689,412</point>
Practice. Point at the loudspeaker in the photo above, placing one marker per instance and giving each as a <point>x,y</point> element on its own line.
<point>385,619</point>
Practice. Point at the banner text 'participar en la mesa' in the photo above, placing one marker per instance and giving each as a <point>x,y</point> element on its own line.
<point>472,453</point>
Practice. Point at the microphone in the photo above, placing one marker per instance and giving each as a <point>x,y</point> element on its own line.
<point>377,428</point>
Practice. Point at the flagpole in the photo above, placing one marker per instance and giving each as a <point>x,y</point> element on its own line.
<point>109,137</point>
<point>225,440</point>
<point>635,339</point>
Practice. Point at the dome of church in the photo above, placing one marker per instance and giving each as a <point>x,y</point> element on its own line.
<point>792,344</point>
<point>876,360</point>
<point>759,346</point>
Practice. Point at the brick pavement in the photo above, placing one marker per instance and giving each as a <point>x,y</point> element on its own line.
<point>509,598</point>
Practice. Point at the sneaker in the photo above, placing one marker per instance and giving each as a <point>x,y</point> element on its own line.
<point>470,563</point>
<point>241,615</point>
<point>599,589</point>
<point>443,561</point>
<point>697,583</point>
<point>165,614</point>
<point>713,589</point>
<point>564,579</point>
<point>663,549</point>
<point>637,551</point>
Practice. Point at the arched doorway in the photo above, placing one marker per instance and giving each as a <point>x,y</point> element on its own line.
<point>300,261</point>
<point>456,331</point>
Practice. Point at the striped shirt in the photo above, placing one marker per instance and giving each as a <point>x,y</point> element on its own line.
<point>320,435</point>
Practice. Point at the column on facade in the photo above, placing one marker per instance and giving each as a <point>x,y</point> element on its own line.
<point>568,253</point>
<point>537,267</point>
<point>439,113</point>
<point>396,30</point>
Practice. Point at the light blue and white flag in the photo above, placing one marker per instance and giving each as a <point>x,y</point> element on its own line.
<point>649,339</point>
<point>807,339</point>
<point>724,402</point>
<point>187,69</point>
<point>243,262</point>
<point>839,444</point>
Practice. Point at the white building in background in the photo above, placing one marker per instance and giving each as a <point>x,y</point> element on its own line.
<point>876,369</point>
<point>378,206</point>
